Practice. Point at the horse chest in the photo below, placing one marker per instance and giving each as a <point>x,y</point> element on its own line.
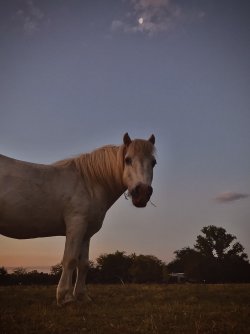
<point>96,216</point>
<point>93,227</point>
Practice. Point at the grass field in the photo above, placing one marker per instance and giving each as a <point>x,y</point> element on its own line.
<point>125,309</point>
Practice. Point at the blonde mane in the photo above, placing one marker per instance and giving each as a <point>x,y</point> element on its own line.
<point>102,166</point>
<point>105,165</point>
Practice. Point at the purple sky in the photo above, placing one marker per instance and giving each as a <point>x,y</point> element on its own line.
<point>78,74</point>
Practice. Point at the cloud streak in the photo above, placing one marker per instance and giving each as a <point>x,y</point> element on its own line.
<point>154,16</point>
<point>30,17</point>
<point>226,197</point>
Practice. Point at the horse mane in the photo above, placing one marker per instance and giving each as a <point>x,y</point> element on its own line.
<point>102,165</point>
<point>105,165</point>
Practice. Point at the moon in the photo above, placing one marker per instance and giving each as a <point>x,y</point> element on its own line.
<point>140,20</point>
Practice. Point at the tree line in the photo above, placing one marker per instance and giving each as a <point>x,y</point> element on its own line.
<point>216,257</point>
<point>108,268</point>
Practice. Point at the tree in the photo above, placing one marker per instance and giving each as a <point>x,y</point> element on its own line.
<point>188,261</point>
<point>55,273</point>
<point>93,275</point>
<point>114,268</point>
<point>216,257</point>
<point>19,271</point>
<point>217,243</point>
<point>121,268</point>
<point>3,272</point>
<point>3,275</point>
<point>56,270</point>
<point>146,269</point>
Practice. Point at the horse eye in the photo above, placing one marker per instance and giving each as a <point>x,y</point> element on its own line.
<point>128,161</point>
<point>154,163</point>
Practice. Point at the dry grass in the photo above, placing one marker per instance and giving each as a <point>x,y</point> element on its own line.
<point>129,309</point>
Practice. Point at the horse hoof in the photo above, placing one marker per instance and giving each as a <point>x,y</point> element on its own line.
<point>83,297</point>
<point>66,301</point>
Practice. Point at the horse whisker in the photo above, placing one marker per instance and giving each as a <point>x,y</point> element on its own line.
<point>127,195</point>
<point>152,203</point>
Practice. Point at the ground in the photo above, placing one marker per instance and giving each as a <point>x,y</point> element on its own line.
<point>187,308</point>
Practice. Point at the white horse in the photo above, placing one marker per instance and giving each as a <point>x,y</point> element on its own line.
<point>71,197</point>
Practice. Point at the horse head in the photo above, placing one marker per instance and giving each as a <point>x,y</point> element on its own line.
<point>139,162</point>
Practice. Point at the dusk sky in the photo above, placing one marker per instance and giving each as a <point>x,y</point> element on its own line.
<point>76,75</point>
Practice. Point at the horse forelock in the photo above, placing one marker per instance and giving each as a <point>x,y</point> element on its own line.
<point>140,147</point>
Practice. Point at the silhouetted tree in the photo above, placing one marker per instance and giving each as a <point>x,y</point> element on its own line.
<point>146,269</point>
<point>216,257</point>
<point>20,271</point>
<point>188,261</point>
<point>114,268</point>
<point>35,277</point>
<point>4,277</point>
<point>217,243</point>
<point>56,272</point>
<point>93,275</point>
<point>3,271</point>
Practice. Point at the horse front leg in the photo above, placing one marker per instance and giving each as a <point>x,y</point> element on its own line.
<point>80,292</point>
<point>75,230</point>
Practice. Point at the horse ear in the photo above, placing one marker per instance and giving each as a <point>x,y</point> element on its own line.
<point>152,139</point>
<point>126,139</point>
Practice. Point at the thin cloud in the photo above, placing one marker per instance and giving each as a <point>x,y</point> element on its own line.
<point>230,197</point>
<point>30,17</point>
<point>153,17</point>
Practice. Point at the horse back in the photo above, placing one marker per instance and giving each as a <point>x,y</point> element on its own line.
<point>34,195</point>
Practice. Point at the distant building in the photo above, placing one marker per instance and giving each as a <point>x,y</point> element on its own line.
<point>177,278</point>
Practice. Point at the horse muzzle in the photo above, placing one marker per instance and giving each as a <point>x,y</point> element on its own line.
<point>141,194</point>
